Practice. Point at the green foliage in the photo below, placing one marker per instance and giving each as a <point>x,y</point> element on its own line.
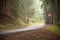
<point>33,20</point>
<point>17,7</point>
<point>21,23</point>
<point>54,29</point>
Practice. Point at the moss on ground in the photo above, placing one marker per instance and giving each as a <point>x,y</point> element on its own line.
<point>7,27</point>
<point>55,29</point>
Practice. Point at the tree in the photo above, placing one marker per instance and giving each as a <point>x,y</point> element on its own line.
<point>49,6</point>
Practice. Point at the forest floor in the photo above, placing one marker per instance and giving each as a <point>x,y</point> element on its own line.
<point>46,33</point>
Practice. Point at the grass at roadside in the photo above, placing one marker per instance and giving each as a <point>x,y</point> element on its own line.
<point>7,27</point>
<point>36,23</point>
<point>55,29</point>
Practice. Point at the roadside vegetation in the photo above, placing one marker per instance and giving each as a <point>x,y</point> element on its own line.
<point>55,29</point>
